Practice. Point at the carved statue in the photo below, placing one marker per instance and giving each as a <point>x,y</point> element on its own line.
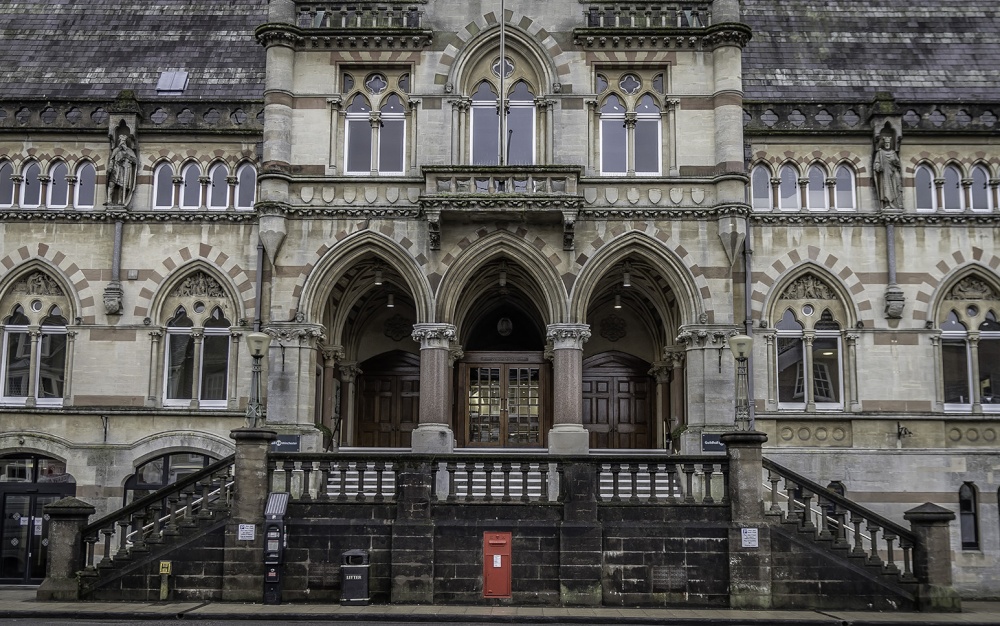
<point>888,176</point>
<point>121,172</point>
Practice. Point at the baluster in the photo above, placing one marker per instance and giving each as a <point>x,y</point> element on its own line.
<point>673,485</point>
<point>288,467</point>
<point>342,467</point>
<point>654,468</point>
<point>106,559</point>
<point>560,479</point>
<point>188,519</point>
<point>122,554</point>
<point>907,575</point>
<point>138,522</point>
<point>323,488</point>
<point>859,549</point>
<point>171,529</point>
<point>890,565</point>
<point>616,469</point>
<point>469,469</point>
<point>505,467</point>
<point>206,488</point>
<point>709,469</point>
<point>793,512</point>
<point>525,468</point>
<point>488,468</point>
<point>362,468</point>
<point>88,558</point>
<point>774,479</point>
<point>379,481</point>
<point>307,468</point>
<point>633,471</point>
<point>823,505</point>
<point>806,522</point>
<point>724,471</point>
<point>451,468</point>
<point>689,483</point>
<point>873,558</point>
<point>840,538</point>
<point>154,536</point>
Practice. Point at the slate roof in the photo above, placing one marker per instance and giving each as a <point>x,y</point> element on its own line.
<point>935,50</point>
<point>95,48</point>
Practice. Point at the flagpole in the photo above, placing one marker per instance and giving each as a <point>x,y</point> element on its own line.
<point>501,101</point>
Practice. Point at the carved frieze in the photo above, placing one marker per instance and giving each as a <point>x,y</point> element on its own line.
<point>808,287</point>
<point>971,288</point>
<point>199,284</point>
<point>37,284</point>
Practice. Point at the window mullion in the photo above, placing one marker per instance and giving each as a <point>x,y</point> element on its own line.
<point>198,336</point>
<point>34,333</point>
<point>630,120</point>
<point>375,118</point>
<point>977,400</point>
<point>807,370</point>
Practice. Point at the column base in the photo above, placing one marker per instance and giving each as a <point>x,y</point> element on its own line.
<point>433,439</point>
<point>569,439</point>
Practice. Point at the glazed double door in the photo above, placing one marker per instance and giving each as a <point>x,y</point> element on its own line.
<point>504,400</point>
<point>24,547</point>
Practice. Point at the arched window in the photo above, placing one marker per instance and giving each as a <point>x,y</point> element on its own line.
<point>35,342</point>
<point>58,196</point>
<point>981,200</point>
<point>791,362</point>
<point>521,126</point>
<point>31,187</point>
<point>246,186</point>
<point>968,516</point>
<point>218,194</point>
<point>817,194</point>
<point>358,137</point>
<point>161,472</point>
<point>191,186</point>
<point>956,362</point>
<point>924,182</point>
<point>86,186</point>
<point>970,348</point>
<point>788,188</point>
<point>392,136</point>
<point>485,126</point>
<point>614,137</point>
<point>952,189</point>
<point>760,189</point>
<point>163,186</point>
<point>647,137</point>
<point>198,344</point>
<point>845,190</point>
<point>6,184</point>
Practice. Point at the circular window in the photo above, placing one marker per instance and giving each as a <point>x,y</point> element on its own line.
<point>376,84</point>
<point>36,305</point>
<point>630,84</point>
<point>972,311</point>
<point>508,67</point>
<point>199,307</point>
<point>808,309</point>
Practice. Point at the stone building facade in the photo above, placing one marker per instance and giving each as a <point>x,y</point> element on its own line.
<point>563,276</point>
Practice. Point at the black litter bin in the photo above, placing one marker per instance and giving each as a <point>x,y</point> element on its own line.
<point>354,578</point>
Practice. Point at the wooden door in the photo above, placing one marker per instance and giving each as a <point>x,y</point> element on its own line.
<point>504,400</point>
<point>388,393</point>
<point>618,398</point>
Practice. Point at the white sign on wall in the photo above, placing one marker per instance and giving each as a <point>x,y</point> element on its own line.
<point>247,532</point>
<point>750,538</point>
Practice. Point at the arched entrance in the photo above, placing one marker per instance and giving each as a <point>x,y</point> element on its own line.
<point>503,381</point>
<point>28,482</point>
<point>389,393</point>
<point>618,399</point>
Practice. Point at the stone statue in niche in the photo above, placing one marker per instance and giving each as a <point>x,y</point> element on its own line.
<point>888,174</point>
<point>121,172</point>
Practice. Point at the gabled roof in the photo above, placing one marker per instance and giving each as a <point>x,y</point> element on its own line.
<point>95,48</point>
<point>941,50</point>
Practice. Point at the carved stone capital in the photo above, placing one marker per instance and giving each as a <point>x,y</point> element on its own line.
<point>349,372</point>
<point>296,333</point>
<point>433,335</point>
<point>568,336</point>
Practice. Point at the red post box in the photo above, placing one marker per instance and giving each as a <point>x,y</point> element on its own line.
<point>496,565</point>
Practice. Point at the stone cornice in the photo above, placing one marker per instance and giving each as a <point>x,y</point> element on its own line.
<point>708,213</point>
<point>663,37</point>
<point>71,215</point>
<point>344,38</point>
<point>510,202</point>
<point>776,117</point>
<point>876,219</point>
<point>154,115</point>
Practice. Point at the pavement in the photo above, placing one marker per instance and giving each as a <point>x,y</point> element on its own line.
<point>19,602</point>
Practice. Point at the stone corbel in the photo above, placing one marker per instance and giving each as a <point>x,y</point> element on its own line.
<point>895,301</point>
<point>732,232</point>
<point>272,228</point>
<point>433,228</point>
<point>569,229</point>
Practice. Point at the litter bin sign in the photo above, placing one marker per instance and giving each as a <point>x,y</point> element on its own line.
<point>354,578</point>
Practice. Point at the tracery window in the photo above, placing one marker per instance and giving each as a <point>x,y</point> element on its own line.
<point>163,186</point>
<point>630,123</point>
<point>980,190</point>
<point>926,197</point>
<point>191,186</point>
<point>760,188</point>
<point>58,194</point>
<point>86,186</point>
<point>951,190</point>
<point>788,188</point>
<point>844,188</point>
<point>31,187</point>
<point>375,122</point>
<point>35,342</point>
<point>6,184</point>
<point>968,516</point>
<point>970,347</point>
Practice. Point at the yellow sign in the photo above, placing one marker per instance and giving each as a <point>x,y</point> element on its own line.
<point>165,567</point>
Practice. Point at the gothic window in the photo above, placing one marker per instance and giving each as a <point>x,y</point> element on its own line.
<point>968,516</point>
<point>391,136</point>
<point>980,191</point>
<point>521,125</point>
<point>358,136</point>
<point>163,186</point>
<point>971,357</point>
<point>614,137</point>
<point>86,186</point>
<point>952,189</point>
<point>246,186</point>
<point>647,136</point>
<point>31,187</point>
<point>35,342</point>
<point>58,196</point>
<point>760,188</point>
<point>924,181</point>
<point>197,345</point>
<point>485,125</point>
<point>376,122</point>
<point>190,186</point>
<point>630,123</point>
<point>817,195</point>
<point>6,184</point>
<point>844,190</point>
<point>218,193</point>
<point>788,188</point>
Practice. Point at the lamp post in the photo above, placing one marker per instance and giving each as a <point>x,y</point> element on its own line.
<point>741,345</point>
<point>258,344</point>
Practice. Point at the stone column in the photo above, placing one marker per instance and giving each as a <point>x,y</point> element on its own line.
<point>67,518</point>
<point>433,433</point>
<point>335,103</point>
<point>568,436</point>
<point>749,565</point>
<point>677,416</point>
<point>348,401</point>
<point>932,558</point>
<point>329,383</point>
<point>243,566</point>
<point>854,404</point>
<point>661,372</point>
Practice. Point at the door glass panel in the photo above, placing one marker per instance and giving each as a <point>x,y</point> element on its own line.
<point>484,405</point>
<point>38,543</point>
<point>16,526</point>
<point>523,409</point>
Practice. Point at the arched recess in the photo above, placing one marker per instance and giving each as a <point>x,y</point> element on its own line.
<point>389,399</point>
<point>44,266</point>
<point>950,292</point>
<point>618,401</point>
<point>543,286</point>
<point>663,266</point>
<point>361,247</point>
<point>541,69</point>
<point>234,306</point>
<point>777,298</point>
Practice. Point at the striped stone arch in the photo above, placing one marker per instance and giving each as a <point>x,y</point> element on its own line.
<point>311,292</point>
<point>443,71</point>
<point>632,58</point>
<point>41,255</point>
<point>829,266</point>
<point>373,56</point>
<point>928,292</point>
<point>690,275</point>
<point>238,280</point>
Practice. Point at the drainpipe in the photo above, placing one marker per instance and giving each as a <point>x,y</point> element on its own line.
<point>258,282</point>
<point>748,312</point>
